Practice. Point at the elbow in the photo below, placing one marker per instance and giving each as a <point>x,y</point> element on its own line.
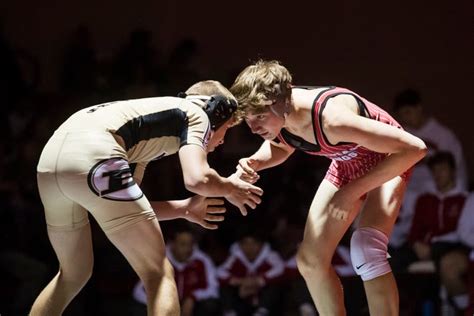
<point>422,149</point>
<point>419,150</point>
<point>196,182</point>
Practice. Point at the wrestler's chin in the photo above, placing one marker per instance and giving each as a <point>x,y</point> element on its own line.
<point>268,136</point>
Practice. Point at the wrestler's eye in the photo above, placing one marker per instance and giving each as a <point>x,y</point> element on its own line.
<point>260,117</point>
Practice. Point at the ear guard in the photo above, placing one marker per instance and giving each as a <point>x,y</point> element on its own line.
<point>218,108</point>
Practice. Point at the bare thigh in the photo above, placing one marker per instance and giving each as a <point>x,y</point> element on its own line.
<point>382,206</point>
<point>143,246</point>
<point>74,251</point>
<point>323,232</point>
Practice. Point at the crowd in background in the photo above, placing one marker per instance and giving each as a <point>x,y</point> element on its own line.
<point>247,266</point>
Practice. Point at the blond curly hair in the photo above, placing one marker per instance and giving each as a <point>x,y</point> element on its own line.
<point>260,85</point>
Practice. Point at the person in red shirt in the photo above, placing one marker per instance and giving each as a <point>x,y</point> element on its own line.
<point>410,111</point>
<point>436,231</point>
<point>470,309</point>
<point>371,161</point>
<point>195,276</point>
<point>250,277</point>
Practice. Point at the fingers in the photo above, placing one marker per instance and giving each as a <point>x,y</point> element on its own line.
<point>251,162</point>
<point>249,178</point>
<point>214,218</point>
<point>251,204</point>
<point>208,225</point>
<point>256,190</point>
<point>255,198</point>
<point>247,175</point>
<point>216,210</point>
<point>213,202</point>
<point>244,164</point>
<point>243,210</point>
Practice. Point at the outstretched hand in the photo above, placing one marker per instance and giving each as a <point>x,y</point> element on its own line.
<point>243,194</point>
<point>246,170</point>
<point>202,211</point>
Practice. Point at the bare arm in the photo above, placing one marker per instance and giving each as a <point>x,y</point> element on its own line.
<point>342,124</point>
<point>201,179</point>
<point>198,176</point>
<point>196,209</point>
<point>271,154</point>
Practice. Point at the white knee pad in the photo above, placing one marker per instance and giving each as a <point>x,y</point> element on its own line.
<point>369,253</point>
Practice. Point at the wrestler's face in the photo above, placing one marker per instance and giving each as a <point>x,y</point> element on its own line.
<point>266,124</point>
<point>182,246</point>
<point>217,136</point>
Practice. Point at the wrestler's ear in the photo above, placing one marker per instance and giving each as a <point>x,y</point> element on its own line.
<point>280,108</point>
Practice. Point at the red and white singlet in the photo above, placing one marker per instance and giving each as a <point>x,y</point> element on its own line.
<point>349,160</point>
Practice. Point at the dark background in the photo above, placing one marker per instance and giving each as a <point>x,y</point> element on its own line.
<point>373,48</point>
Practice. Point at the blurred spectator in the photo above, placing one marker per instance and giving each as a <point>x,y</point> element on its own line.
<point>79,73</point>
<point>442,231</point>
<point>182,68</point>
<point>250,277</point>
<point>437,137</point>
<point>470,310</point>
<point>195,275</point>
<point>12,83</point>
<point>136,69</point>
<point>466,235</point>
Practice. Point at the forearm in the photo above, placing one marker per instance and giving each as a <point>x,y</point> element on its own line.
<point>269,155</point>
<point>211,184</point>
<point>393,165</point>
<point>167,210</point>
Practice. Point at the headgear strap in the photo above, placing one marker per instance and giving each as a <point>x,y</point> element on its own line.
<point>218,108</point>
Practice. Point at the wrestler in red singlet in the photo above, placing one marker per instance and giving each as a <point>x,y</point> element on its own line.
<point>349,160</point>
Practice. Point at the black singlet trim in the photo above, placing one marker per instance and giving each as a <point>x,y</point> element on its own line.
<point>363,111</point>
<point>173,122</point>
<point>293,139</point>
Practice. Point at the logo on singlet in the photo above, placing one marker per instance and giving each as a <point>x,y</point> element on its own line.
<point>112,179</point>
<point>344,155</point>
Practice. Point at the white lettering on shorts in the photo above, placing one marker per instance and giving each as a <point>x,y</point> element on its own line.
<point>112,179</point>
<point>344,155</point>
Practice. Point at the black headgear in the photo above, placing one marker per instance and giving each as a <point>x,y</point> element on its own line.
<point>218,108</point>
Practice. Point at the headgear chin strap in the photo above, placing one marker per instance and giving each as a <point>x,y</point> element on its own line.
<point>218,108</point>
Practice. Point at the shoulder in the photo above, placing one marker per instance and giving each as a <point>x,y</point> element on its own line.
<point>339,110</point>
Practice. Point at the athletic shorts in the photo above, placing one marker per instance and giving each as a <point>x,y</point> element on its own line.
<point>341,173</point>
<point>81,172</point>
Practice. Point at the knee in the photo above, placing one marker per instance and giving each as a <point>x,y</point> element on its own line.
<point>78,274</point>
<point>154,272</point>
<point>369,253</point>
<point>310,262</point>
